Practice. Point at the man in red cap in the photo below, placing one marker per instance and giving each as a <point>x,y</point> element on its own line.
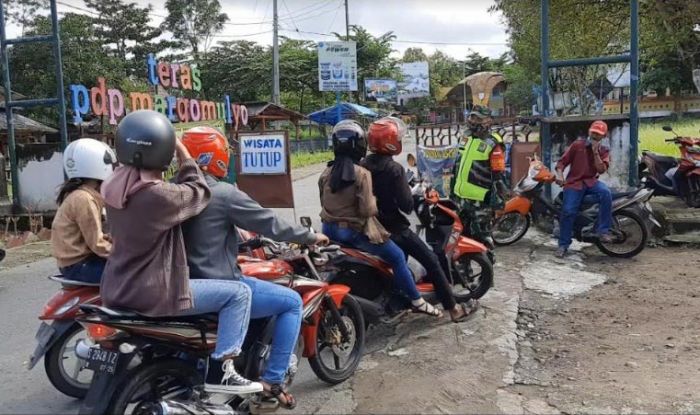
<point>586,158</point>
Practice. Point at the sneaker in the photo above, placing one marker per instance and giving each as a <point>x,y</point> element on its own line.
<point>561,252</point>
<point>227,380</point>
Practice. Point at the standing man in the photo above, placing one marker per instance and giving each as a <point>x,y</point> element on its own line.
<point>586,158</point>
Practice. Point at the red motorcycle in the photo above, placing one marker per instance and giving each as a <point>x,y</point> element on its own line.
<point>669,176</point>
<point>466,263</point>
<point>155,365</point>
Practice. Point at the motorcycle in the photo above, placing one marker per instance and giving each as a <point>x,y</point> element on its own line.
<point>466,261</point>
<point>670,176</point>
<point>156,365</point>
<point>530,204</point>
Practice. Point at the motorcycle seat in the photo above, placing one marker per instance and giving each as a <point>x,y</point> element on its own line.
<point>65,281</point>
<point>118,313</point>
<point>661,159</point>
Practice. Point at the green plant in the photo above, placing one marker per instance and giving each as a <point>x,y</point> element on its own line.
<point>307,159</point>
<point>652,136</point>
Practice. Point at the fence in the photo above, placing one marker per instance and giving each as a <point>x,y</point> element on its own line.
<point>308,146</point>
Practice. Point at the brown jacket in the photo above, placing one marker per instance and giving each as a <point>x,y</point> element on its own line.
<point>147,270</point>
<point>354,205</point>
<point>76,231</point>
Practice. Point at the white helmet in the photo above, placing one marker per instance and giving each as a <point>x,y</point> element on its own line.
<point>88,158</point>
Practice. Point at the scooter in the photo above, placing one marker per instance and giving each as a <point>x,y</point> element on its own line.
<point>670,176</point>
<point>156,365</point>
<point>529,204</point>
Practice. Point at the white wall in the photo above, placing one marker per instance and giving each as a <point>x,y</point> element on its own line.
<point>39,182</point>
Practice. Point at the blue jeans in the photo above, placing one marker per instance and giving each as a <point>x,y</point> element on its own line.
<point>231,300</point>
<point>388,251</point>
<point>571,205</point>
<point>270,300</point>
<point>88,270</point>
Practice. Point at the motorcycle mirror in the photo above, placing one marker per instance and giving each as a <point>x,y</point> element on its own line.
<point>305,221</point>
<point>411,160</point>
<point>667,128</point>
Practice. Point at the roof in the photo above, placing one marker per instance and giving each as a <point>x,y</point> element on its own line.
<point>24,124</point>
<point>16,96</point>
<point>348,110</point>
<point>479,87</point>
<point>269,109</point>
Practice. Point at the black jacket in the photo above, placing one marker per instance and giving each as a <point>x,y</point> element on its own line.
<point>391,190</point>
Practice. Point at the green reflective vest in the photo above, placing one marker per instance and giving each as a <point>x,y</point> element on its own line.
<point>474,177</point>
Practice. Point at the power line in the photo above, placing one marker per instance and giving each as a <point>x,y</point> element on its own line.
<point>427,42</point>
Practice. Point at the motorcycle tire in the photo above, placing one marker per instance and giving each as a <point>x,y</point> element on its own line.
<point>55,370</point>
<point>156,373</point>
<point>515,237</point>
<point>478,290</point>
<point>639,222</point>
<point>351,310</point>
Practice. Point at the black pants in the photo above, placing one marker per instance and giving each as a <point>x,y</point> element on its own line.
<point>413,246</point>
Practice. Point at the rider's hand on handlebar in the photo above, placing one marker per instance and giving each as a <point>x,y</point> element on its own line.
<point>321,240</point>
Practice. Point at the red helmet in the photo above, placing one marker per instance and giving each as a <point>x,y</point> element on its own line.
<point>599,127</point>
<point>384,136</point>
<point>209,147</point>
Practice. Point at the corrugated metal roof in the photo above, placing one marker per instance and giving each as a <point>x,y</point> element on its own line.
<point>24,124</point>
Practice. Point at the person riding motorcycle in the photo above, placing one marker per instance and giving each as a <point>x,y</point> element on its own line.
<point>586,159</point>
<point>478,179</point>
<point>78,241</point>
<point>147,270</point>
<point>211,242</point>
<point>394,196</point>
<point>349,210</point>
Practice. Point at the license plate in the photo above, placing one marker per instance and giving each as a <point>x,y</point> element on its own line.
<point>101,360</point>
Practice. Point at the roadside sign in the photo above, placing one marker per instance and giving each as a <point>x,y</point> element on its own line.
<point>337,66</point>
<point>263,154</point>
<point>262,167</point>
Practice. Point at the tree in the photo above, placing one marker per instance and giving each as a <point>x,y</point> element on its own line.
<point>124,29</point>
<point>23,12</point>
<point>194,23</point>
<point>414,55</point>
<point>238,68</point>
<point>519,92</point>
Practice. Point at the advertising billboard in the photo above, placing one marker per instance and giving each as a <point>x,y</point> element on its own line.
<point>415,82</point>
<point>381,90</point>
<point>337,66</point>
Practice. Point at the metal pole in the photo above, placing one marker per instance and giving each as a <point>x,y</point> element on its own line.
<point>634,85</point>
<point>464,91</point>
<point>347,22</point>
<point>275,56</point>
<point>338,109</point>
<point>545,138</point>
<point>59,75</point>
<point>8,109</point>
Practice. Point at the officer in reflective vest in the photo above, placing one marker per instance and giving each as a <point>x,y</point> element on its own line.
<point>479,167</point>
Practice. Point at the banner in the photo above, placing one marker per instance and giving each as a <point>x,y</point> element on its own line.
<point>437,165</point>
<point>337,66</point>
<point>381,90</point>
<point>415,82</point>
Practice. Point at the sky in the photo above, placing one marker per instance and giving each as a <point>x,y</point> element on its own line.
<point>455,27</point>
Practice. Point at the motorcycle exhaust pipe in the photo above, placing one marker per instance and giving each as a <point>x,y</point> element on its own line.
<point>82,350</point>
<point>173,407</point>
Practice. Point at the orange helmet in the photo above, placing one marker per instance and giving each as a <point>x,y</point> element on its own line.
<point>384,136</point>
<point>209,147</point>
<point>599,127</point>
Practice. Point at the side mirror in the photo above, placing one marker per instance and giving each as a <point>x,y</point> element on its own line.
<point>305,221</point>
<point>411,160</point>
<point>667,128</point>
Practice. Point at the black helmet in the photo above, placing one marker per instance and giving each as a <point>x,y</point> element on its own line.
<point>145,139</point>
<point>349,139</point>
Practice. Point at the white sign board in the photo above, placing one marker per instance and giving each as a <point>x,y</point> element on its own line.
<point>337,66</point>
<point>415,82</point>
<point>263,154</point>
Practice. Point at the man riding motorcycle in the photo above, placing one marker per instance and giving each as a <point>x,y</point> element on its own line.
<point>394,197</point>
<point>211,242</point>
<point>478,182</point>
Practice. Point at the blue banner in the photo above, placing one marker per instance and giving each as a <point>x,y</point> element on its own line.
<point>437,164</point>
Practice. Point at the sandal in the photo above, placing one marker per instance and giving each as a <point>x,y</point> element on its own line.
<point>285,399</point>
<point>469,308</point>
<point>427,308</point>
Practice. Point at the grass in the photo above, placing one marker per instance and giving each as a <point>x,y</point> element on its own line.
<point>652,136</point>
<point>307,159</point>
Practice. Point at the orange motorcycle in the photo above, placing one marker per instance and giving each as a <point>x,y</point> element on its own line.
<point>629,210</point>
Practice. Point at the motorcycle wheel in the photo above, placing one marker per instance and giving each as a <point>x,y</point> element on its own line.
<point>692,199</point>
<point>65,370</point>
<point>473,276</point>
<point>335,361</point>
<point>625,225</point>
<point>149,383</point>
<point>510,228</point>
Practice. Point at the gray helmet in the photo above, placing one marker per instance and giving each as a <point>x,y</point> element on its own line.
<point>145,139</point>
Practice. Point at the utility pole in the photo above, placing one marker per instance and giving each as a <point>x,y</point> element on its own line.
<point>347,22</point>
<point>275,56</point>
<point>464,90</point>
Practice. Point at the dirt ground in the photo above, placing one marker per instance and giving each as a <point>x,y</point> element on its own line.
<point>631,344</point>
<point>26,254</point>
